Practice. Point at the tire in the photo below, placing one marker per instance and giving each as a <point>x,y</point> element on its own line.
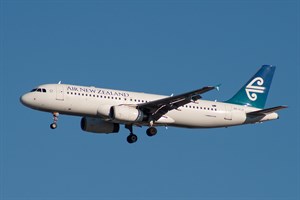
<point>151,131</point>
<point>53,126</point>
<point>132,138</point>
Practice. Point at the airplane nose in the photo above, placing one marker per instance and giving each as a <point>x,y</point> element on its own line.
<point>24,99</point>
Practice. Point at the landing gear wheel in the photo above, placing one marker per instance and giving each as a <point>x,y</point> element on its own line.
<point>151,131</point>
<point>132,138</point>
<point>55,119</point>
<point>53,126</point>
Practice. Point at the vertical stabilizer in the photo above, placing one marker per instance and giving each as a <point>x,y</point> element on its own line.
<point>255,92</point>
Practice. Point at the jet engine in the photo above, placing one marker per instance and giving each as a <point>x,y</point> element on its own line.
<point>126,113</point>
<point>97,125</point>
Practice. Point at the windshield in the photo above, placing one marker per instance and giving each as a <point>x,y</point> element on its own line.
<point>39,90</point>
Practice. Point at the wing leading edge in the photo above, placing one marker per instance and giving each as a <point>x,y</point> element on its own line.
<point>156,109</point>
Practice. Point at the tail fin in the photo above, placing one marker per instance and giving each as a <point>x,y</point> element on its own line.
<point>255,92</point>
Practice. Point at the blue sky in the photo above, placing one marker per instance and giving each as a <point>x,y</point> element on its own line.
<point>159,47</point>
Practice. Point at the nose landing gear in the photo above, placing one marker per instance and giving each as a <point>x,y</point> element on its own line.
<point>55,119</point>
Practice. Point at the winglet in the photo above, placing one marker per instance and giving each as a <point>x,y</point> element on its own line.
<point>218,87</point>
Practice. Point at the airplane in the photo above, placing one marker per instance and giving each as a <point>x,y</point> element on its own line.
<point>104,110</point>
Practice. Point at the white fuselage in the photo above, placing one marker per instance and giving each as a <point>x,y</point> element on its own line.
<point>86,101</point>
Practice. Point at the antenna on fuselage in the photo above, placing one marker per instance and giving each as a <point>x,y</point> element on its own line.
<point>59,82</point>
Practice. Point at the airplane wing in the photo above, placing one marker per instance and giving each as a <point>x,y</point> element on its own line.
<point>156,109</point>
<point>265,111</point>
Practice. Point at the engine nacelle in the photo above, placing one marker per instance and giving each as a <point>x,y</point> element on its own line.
<point>97,125</point>
<point>126,113</point>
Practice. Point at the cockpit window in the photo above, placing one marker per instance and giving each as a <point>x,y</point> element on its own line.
<point>39,90</point>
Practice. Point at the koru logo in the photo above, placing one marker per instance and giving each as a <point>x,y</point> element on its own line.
<point>252,90</point>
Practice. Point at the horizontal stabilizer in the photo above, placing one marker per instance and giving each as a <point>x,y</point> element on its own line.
<point>265,111</point>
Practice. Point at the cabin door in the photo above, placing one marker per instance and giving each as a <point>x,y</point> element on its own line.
<point>228,112</point>
<point>59,92</point>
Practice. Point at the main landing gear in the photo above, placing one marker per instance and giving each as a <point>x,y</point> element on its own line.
<point>55,119</point>
<point>132,138</point>
<point>151,131</point>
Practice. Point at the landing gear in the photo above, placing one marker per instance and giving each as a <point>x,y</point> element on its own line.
<point>53,126</point>
<point>151,131</point>
<point>55,119</point>
<point>132,138</point>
